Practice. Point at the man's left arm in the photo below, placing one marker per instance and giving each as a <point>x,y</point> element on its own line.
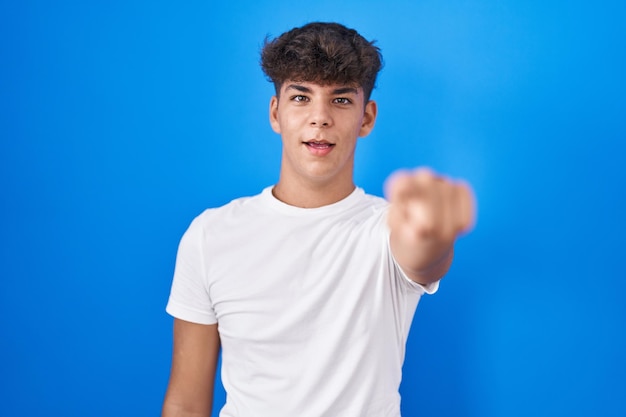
<point>426,215</point>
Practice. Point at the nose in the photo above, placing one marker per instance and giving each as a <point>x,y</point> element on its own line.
<point>320,115</point>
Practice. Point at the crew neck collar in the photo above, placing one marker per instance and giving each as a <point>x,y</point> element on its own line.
<point>276,204</point>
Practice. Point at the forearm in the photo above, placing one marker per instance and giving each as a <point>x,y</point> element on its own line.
<point>172,408</point>
<point>422,265</point>
<point>194,363</point>
<point>426,215</point>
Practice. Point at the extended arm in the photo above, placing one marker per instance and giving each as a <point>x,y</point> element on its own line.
<point>194,363</point>
<point>426,215</point>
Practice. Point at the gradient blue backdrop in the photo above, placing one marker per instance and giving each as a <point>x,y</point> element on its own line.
<point>122,120</point>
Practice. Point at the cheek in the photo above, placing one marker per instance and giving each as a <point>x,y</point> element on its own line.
<point>293,123</point>
<point>358,126</point>
<point>282,123</point>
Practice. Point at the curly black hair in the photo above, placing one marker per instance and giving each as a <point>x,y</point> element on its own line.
<point>324,53</point>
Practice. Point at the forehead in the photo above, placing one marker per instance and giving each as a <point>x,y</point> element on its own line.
<point>317,88</point>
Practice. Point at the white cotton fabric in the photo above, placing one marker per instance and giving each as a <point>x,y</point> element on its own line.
<point>312,311</point>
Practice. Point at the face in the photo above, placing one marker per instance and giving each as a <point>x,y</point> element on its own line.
<point>320,125</point>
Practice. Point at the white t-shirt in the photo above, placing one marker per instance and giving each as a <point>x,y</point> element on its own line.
<point>312,310</point>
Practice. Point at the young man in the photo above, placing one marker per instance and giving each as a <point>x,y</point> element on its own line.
<point>309,288</point>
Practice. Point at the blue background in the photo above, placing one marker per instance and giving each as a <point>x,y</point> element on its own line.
<point>122,120</point>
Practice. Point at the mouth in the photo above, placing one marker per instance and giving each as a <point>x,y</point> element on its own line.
<point>319,144</point>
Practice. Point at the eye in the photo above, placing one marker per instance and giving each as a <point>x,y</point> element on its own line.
<point>299,98</point>
<point>342,100</point>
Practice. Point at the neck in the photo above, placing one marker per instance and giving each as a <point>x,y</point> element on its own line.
<point>312,195</point>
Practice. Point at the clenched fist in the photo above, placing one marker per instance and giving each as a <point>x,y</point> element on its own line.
<point>427,213</point>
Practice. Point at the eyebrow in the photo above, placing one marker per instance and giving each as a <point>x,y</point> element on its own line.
<point>337,91</point>
<point>346,90</point>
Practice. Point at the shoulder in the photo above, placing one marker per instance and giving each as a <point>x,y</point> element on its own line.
<point>231,209</point>
<point>374,201</point>
<point>371,206</point>
<point>215,220</point>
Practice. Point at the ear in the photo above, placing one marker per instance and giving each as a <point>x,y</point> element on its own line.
<point>274,114</point>
<point>369,118</point>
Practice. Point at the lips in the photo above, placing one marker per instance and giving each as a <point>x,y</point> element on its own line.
<point>322,144</point>
<point>319,147</point>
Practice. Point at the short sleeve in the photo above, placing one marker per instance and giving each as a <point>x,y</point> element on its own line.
<point>189,298</point>
<point>428,289</point>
